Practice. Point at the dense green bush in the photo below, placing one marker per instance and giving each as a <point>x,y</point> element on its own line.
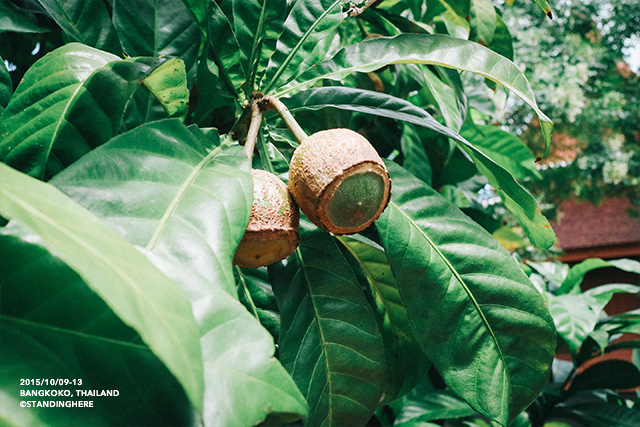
<point>117,269</point>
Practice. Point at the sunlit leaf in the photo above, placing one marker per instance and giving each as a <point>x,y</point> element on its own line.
<point>138,293</point>
<point>329,339</point>
<point>84,21</point>
<point>54,326</point>
<point>303,40</point>
<point>473,311</point>
<point>516,198</point>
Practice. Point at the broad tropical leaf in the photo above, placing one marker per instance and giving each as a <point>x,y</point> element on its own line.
<point>305,40</point>
<point>84,21</point>
<point>6,86</point>
<point>329,339</point>
<point>157,28</point>
<point>483,21</point>
<point>185,197</point>
<point>576,315</point>
<point>517,199</point>
<point>433,49</point>
<point>69,102</point>
<point>168,84</point>
<point>471,308</point>
<point>405,361</point>
<point>504,148</point>
<point>571,283</point>
<point>136,291</point>
<point>258,24</point>
<point>54,326</point>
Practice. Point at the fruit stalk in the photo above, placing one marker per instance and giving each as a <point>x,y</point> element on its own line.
<point>254,128</point>
<point>275,104</point>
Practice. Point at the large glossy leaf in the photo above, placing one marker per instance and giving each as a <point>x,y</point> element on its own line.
<point>405,363</point>
<point>517,199</point>
<point>69,102</point>
<point>258,25</point>
<point>433,49</point>
<point>425,403</point>
<point>6,86</point>
<point>157,28</point>
<point>329,339</point>
<point>483,21</point>
<point>186,198</point>
<point>168,85</point>
<point>504,148</point>
<point>307,29</point>
<point>573,278</point>
<point>576,315</point>
<point>471,308</point>
<point>84,21</point>
<point>55,326</point>
<point>13,18</point>
<point>136,291</point>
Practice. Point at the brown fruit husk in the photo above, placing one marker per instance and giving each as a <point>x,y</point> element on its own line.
<point>339,181</point>
<point>272,232</point>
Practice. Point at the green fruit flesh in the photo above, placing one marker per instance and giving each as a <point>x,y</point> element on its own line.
<point>356,200</point>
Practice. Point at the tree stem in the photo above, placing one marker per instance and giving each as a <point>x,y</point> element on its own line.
<point>254,128</point>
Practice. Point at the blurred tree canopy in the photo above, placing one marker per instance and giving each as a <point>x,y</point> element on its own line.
<point>576,65</point>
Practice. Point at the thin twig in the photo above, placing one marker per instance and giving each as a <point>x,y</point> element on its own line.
<point>254,128</point>
<point>271,102</point>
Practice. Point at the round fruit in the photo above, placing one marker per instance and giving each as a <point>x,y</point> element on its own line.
<point>339,181</point>
<point>272,232</point>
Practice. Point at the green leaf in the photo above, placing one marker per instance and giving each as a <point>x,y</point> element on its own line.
<point>470,306</point>
<point>504,148</point>
<point>84,21</point>
<point>424,403</point>
<point>168,83</point>
<point>16,19</point>
<point>607,414</point>
<point>571,283</point>
<point>304,40</point>
<point>329,339</point>
<point>517,199</point>
<point>502,42</point>
<point>138,293</point>
<point>406,363</point>
<point>575,317</point>
<point>433,49</point>
<point>69,102</point>
<point>258,25</point>
<point>612,374</point>
<point>6,86</point>
<point>161,186</point>
<point>186,198</point>
<point>157,28</point>
<point>483,21</point>
<point>52,325</point>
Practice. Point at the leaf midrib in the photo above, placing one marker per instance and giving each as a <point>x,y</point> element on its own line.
<point>182,190</point>
<point>460,280</point>
<point>78,334</point>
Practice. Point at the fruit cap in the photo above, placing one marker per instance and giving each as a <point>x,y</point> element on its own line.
<point>339,181</point>
<point>272,232</point>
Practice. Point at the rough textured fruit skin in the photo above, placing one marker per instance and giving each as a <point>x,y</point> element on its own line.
<point>272,232</point>
<point>322,163</point>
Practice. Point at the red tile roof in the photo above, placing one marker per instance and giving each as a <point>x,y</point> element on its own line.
<point>604,231</point>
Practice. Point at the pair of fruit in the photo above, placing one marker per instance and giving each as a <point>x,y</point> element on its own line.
<point>336,178</point>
